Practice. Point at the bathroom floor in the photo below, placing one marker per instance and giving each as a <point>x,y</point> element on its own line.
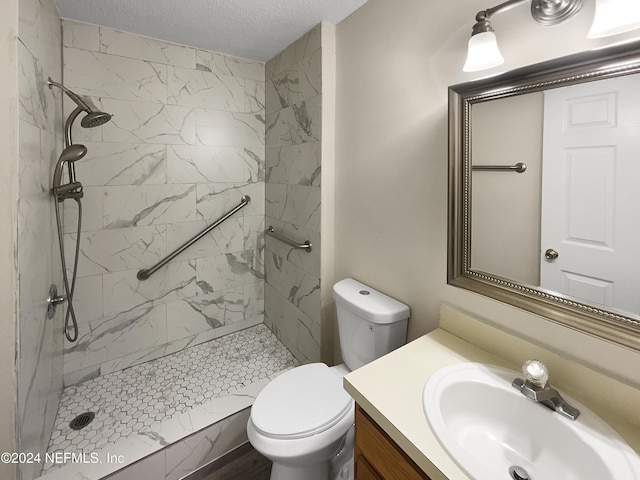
<point>127,401</point>
<point>243,463</point>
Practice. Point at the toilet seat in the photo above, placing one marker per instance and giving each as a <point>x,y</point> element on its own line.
<point>300,403</point>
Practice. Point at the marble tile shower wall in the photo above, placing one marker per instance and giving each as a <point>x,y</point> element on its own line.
<point>186,141</point>
<point>39,340</point>
<point>293,165</point>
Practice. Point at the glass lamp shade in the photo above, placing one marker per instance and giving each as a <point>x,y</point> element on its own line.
<point>614,16</point>
<point>482,52</point>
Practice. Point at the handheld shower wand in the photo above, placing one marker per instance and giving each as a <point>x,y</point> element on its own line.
<point>71,154</point>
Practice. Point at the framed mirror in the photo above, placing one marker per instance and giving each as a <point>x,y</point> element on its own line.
<point>544,190</point>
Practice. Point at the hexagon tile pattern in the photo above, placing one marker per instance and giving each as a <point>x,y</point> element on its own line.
<point>129,400</point>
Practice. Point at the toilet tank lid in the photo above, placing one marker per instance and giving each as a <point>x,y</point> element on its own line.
<point>368,303</point>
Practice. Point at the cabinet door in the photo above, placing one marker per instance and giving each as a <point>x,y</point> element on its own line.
<point>378,457</point>
<point>364,471</point>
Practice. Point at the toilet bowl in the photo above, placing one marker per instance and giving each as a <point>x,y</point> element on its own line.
<point>299,422</point>
<point>303,419</point>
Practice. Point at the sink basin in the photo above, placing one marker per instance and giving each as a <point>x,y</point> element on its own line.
<point>493,432</point>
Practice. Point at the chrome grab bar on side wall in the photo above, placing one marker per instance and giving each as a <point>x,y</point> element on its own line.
<point>303,246</point>
<point>147,272</point>
<point>518,167</point>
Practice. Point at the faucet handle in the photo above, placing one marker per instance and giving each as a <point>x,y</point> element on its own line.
<point>536,372</point>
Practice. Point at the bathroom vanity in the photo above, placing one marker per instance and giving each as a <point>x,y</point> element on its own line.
<point>377,456</point>
<point>394,440</point>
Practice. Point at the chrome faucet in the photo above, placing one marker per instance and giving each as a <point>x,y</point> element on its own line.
<point>534,387</point>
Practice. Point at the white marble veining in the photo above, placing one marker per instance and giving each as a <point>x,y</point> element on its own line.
<point>145,122</point>
<point>298,205</point>
<point>39,340</point>
<point>123,291</point>
<point>254,100</point>
<point>299,287</point>
<point>194,88</point>
<point>122,164</point>
<point>108,338</point>
<point>227,65</point>
<point>215,199</point>
<point>226,238</point>
<point>125,44</point>
<point>307,261</point>
<point>135,206</point>
<point>295,124</point>
<point>145,355</point>
<point>295,164</point>
<point>294,53</point>
<point>101,75</point>
<point>293,197</point>
<point>230,270</point>
<point>91,211</point>
<point>301,81</point>
<point>81,35</point>
<point>187,318</point>
<point>199,164</point>
<point>293,327</point>
<point>106,251</point>
<point>229,129</point>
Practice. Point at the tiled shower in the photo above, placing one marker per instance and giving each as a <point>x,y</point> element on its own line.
<point>192,132</point>
<point>185,143</point>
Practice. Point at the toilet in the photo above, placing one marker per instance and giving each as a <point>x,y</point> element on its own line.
<point>303,419</point>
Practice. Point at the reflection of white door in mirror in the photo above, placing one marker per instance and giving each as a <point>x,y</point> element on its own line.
<point>590,195</point>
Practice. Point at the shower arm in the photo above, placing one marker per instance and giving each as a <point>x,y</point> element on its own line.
<point>67,126</point>
<point>68,142</point>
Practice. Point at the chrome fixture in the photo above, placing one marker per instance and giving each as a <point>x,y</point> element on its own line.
<point>71,154</point>
<point>145,273</point>
<point>534,387</point>
<point>93,118</point>
<point>611,17</point>
<point>518,168</point>
<point>53,301</point>
<point>302,246</point>
<point>71,190</point>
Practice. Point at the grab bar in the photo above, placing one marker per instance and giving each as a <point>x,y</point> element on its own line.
<point>518,167</point>
<point>147,272</point>
<point>303,246</point>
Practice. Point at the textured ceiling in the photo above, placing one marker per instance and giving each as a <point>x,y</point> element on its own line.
<point>254,29</point>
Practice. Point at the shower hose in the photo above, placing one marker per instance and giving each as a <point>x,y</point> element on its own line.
<point>70,322</point>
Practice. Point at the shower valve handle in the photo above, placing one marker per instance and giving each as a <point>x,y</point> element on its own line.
<point>53,301</point>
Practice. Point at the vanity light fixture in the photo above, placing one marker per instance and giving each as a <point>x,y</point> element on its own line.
<point>483,51</point>
<point>611,17</point>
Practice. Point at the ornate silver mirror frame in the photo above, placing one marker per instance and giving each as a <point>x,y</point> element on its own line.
<point>584,67</point>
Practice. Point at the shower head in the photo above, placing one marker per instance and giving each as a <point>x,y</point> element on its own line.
<point>71,154</point>
<point>95,119</point>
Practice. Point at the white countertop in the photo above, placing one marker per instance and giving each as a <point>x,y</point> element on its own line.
<point>390,391</point>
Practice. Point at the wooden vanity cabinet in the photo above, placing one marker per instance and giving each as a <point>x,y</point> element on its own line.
<point>377,456</point>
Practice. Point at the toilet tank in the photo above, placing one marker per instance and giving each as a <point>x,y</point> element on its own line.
<point>370,323</point>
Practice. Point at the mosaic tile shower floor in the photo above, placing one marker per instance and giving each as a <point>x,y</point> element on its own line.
<point>133,399</point>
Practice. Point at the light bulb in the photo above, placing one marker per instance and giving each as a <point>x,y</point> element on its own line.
<point>614,16</point>
<point>483,52</point>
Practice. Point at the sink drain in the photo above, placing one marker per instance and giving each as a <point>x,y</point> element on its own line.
<point>82,420</point>
<point>519,473</point>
